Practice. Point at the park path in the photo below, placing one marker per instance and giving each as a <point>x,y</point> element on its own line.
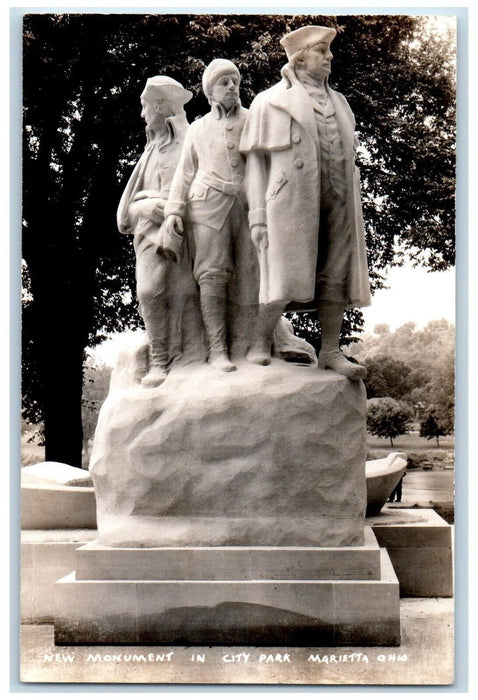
<point>428,486</point>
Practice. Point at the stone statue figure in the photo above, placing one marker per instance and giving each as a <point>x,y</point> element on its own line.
<point>207,195</point>
<point>162,286</point>
<point>304,198</point>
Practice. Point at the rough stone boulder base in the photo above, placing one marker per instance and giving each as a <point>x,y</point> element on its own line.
<point>262,456</point>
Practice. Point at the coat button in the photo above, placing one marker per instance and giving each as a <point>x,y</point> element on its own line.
<point>229,127</point>
<point>296,138</point>
<point>234,161</point>
<point>298,162</point>
<point>230,145</point>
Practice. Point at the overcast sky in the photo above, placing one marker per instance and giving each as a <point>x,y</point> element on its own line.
<point>412,295</point>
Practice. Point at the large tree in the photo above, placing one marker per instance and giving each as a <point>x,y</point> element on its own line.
<point>388,418</point>
<point>82,78</point>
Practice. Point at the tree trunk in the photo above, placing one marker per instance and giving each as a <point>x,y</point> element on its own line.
<point>391,442</point>
<point>63,424</point>
<point>59,334</point>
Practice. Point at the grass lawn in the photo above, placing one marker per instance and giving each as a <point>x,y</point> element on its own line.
<point>410,442</point>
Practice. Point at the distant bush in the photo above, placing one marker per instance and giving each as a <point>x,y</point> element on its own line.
<point>445,511</point>
<point>419,460</point>
<point>427,459</point>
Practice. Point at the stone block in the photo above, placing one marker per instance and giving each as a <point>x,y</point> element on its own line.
<point>419,543</point>
<point>272,612</point>
<point>423,572</point>
<point>411,527</point>
<point>42,565</point>
<point>382,604</point>
<point>48,506</point>
<point>95,561</point>
<point>46,556</point>
<point>255,457</point>
<point>276,613</point>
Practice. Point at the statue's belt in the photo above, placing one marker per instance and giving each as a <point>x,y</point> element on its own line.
<point>232,188</point>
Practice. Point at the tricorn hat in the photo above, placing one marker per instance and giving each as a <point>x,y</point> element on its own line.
<point>305,37</point>
<point>214,70</point>
<point>161,87</point>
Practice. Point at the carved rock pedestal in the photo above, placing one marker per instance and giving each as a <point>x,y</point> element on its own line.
<point>262,456</point>
<point>231,511</point>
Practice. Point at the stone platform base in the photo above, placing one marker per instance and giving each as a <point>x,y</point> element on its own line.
<point>230,595</point>
<point>419,543</point>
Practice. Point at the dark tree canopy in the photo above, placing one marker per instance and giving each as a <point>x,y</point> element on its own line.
<point>82,77</point>
<point>431,427</point>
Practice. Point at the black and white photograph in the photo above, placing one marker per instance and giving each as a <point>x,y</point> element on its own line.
<point>238,347</point>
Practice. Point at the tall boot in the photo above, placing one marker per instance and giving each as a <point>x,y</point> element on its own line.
<point>157,328</point>
<point>261,348</point>
<point>214,316</point>
<point>330,356</point>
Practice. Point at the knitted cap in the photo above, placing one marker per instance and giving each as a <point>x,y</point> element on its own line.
<point>214,70</point>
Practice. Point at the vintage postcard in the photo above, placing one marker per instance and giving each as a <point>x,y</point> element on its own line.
<point>238,348</point>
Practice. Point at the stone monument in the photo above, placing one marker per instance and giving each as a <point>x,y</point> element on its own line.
<point>231,494</point>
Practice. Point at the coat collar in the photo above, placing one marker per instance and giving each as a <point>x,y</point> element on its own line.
<point>176,125</point>
<point>292,97</point>
<point>218,111</point>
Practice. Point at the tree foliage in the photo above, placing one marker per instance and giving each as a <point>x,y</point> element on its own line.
<point>388,376</point>
<point>430,427</point>
<point>388,418</point>
<point>82,77</point>
<point>414,365</point>
<point>96,383</point>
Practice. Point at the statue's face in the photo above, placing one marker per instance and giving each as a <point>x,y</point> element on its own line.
<point>316,61</point>
<point>226,90</point>
<point>154,113</point>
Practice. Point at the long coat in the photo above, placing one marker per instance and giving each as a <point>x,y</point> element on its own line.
<point>280,140</point>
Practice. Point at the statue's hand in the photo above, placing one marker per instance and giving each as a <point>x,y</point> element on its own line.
<point>174,224</point>
<point>260,237</point>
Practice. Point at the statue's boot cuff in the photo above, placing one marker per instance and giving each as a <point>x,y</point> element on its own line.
<point>220,360</point>
<point>337,361</point>
<point>261,349</point>
<point>260,353</point>
<point>156,376</point>
<point>214,317</point>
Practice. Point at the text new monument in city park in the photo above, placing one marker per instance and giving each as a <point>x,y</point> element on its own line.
<point>230,482</point>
